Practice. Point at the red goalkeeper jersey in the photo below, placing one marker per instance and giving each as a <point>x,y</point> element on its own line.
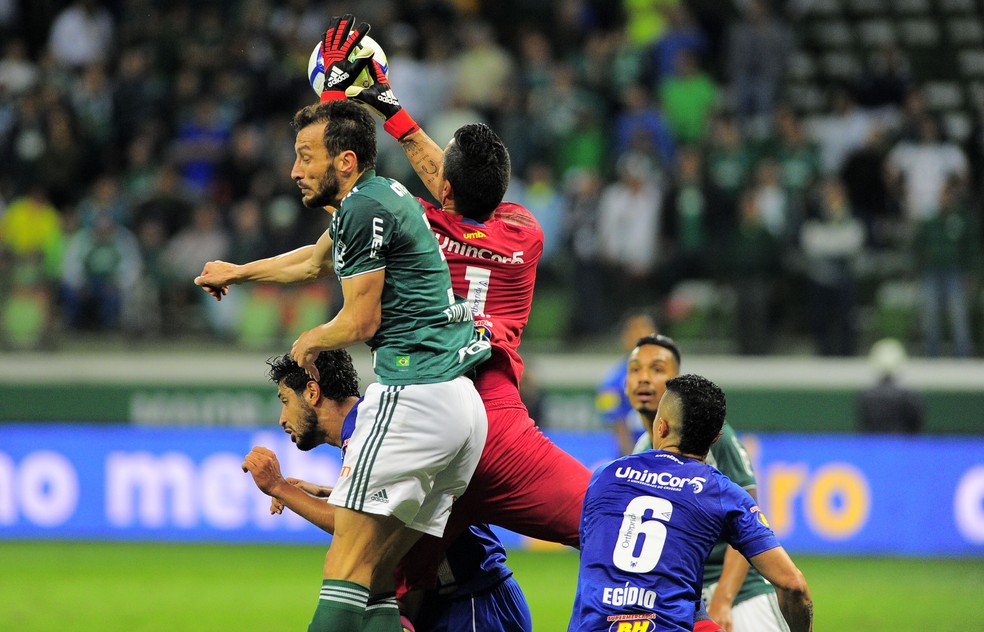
<point>493,265</point>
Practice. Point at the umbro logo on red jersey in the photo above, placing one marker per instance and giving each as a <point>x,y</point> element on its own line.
<point>475,235</point>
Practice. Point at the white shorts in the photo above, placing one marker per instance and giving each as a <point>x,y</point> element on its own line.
<point>758,614</point>
<point>413,452</point>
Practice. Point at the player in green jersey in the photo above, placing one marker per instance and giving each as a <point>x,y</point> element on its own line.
<point>421,428</point>
<point>738,598</point>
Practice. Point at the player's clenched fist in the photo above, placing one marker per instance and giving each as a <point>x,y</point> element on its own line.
<point>216,277</point>
<point>262,464</point>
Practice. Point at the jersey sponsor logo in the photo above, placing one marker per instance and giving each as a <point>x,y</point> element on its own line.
<point>380,497</point>
<point>660,480</point>
<point>637,622</point>
<point>377,238</point>
<point>346,470</point>
<point>629,595</point>
<point>761,516</point>
<point>467,250</point>
<point>475,235</point>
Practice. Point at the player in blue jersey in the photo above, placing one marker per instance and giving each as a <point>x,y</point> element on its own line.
<point>476,590</point>
<point>737,596</point>
<point>650,520</point>
<point>611,403</point>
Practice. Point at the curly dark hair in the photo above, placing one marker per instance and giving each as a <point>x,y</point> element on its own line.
<point>349,127</point>
<point>338,382</point>
<point>477,166</point>
<point>703,408</point>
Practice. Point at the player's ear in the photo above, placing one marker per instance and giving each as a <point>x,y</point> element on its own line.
<point>447,193</point>
<point>716,438</point>
<point>312,392</point>
<point>347,162</point>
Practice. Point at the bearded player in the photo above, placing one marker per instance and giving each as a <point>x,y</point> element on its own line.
<point>524,482</point>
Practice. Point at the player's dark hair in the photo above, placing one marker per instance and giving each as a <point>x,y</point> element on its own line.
<point>338,382</point>
<point>349,127</point>
<point>661,341</point>
<point>702,407</point>
<point>477,166</point>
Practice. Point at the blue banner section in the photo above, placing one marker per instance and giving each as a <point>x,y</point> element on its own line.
<point>822,494</point>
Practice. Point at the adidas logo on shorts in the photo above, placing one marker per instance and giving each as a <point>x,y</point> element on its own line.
<point>380,497</point>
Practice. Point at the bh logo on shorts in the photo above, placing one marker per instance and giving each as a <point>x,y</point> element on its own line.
<point>632,622</point>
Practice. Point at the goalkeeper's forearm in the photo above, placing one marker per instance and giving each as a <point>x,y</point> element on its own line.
<point>296,266</point>
<point>425,157</point>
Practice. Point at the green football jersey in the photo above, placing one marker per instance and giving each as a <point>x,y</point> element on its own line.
<point>728,455</point>
<point>426,334</point>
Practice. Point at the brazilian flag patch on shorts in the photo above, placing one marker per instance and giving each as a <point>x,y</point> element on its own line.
<point>403,361</point>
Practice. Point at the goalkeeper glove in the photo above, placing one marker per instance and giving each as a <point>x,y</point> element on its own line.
<point>379,96</point>
<point>336,51</point>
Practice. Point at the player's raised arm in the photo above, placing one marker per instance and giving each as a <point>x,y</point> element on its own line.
<point>791,589</point>
<point>297,266</point>
<point>424,154</point>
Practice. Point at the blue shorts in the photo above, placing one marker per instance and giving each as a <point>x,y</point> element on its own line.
<point>501,609</point>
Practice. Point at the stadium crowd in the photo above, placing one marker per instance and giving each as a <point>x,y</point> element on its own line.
<point>651,138</point>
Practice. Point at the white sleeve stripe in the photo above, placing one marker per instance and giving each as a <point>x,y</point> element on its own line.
<point>349,276</point>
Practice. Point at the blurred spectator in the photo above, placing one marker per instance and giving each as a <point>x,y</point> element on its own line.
<point>759,46</point>
<point>101,266</point>
<point>863,175</point>
<point>797,155</point>
<point>776,208</point>
<point>482,70</point>
<point>888,406</point>
<point>138,90</point>
<point>18,74</point>
<point>886,80</point>
<point>167,203</point>
<point>611,401</point>
<point>947,253</point>
<point>92,102</point>
<point>841,132</point>
<point>641,127</point>
<point>185,254</point>
<point>645,20</point>
<point>62,163</point>
<point>574,117</point>
<point>243,160</point>
<point>831,245</point>
<point>689,97</point>
<point>538,193</point>
<point>629,215</point>
<point>30,229</point>
<point>104,200</point>
<point>199,144</point>
<point>590,309</point>
<point>82,34</point>
<point>919,170</point>
<point>729,161</point>
<point>682,35</point>
<point>694,223</point>
<point>752,257</point>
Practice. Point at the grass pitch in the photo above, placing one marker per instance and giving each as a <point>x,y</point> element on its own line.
<point>124,587</point>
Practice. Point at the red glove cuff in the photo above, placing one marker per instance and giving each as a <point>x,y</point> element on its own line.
<point>706,626</point>
<point>332,95</point>
<point>400,124</point>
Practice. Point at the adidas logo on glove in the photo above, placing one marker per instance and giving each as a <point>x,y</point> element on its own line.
<point>336,77</point>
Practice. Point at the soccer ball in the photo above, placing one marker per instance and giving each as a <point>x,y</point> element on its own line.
<point>316,66</point>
